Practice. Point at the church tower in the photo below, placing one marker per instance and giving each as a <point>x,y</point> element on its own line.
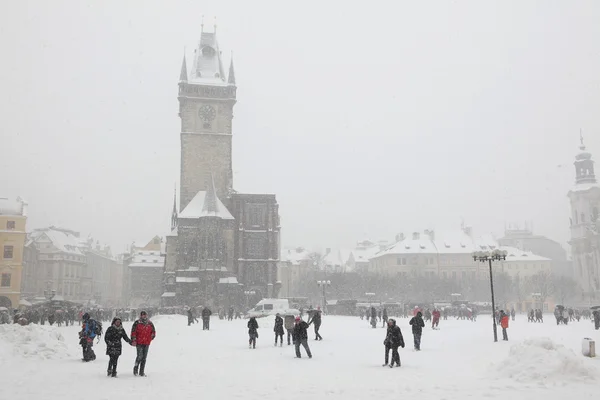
<point>585,224</point>
<point>206,99</point>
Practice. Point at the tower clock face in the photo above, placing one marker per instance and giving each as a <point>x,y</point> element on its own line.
<point>207,113</point>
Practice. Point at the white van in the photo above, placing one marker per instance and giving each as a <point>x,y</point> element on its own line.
<point>271,307</point>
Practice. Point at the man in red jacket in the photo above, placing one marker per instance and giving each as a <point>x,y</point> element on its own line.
<point>142,334</point>
<point>504,324</point>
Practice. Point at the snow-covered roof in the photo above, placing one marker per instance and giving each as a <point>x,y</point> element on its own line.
<point>148,258</point>
<point>203,205</point>
<point>515,255</point>
<point>63,240</point>
<point>174,232</point>
<point>13,207</point>
<point>187,279</point>
<point>208,65</point>
<point>583,187</point>
<point>231,280</point>
<point>365,254</point>
<point>295,256</point>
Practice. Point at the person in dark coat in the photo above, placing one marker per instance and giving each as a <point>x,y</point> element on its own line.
<point>87,336</point>
<point>316,320</point>
<point>206,313</point>
<point>289,322</point>
<point>417,329</point>
<point>384,315</point>
<point>252,332</point>
<point>113,337</point>
<point>278,329</point>
<point>300,337</point>
<point>393,339</point>
<point>190,316</point>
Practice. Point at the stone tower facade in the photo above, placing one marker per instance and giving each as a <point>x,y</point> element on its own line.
<point>206,100</point>
<point>585,225</point>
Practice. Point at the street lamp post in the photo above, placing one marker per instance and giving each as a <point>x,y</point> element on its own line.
<point>485,256</point>
<point>323,285</point>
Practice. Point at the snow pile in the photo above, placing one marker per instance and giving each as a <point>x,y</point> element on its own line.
<point>33,341</point>
<point>540,360</point>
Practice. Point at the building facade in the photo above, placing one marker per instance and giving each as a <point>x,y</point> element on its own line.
<point>585,225</point>
<point>222,242</point>
<point>13,218</point>
<point>143,271</point>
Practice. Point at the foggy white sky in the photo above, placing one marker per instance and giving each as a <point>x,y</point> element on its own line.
<point>365,121</point>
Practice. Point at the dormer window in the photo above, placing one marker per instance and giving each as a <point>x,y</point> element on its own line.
<point>208,51</point>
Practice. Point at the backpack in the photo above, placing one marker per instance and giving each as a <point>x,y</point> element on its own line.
<point>97,328</point>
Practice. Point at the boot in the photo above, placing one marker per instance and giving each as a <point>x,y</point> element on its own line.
<point>135,370</point>
<point>109,372</point>
<point>114,373</point>
<point>142,366</point>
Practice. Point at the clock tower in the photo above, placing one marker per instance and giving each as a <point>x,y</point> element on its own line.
<point>206,99</point>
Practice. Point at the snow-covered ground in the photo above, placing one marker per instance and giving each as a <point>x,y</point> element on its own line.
<point>541,361</point>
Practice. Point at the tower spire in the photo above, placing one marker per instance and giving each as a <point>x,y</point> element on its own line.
<point>183,75</point>
<point>202,24</point>
<point>210,206</point>
<point>231,78</point>
<point>174,212</point>
<point>584,165</point>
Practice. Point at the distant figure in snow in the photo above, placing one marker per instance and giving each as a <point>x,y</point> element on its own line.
<point>86,337</point>
<point>384,315</point>
<point>373,317</point>
<point>436,319</point>
<point>596,315</point>
<point>112,338</point>
<point>379,315</point>
<point>504,324</point>
<point>417,329</point>
<point>142,334</point>
<point>316,320</point>
<point>393,339</point>
<point>190,316</point>
<point>230,314</point>
<point>300,336</point>
<point>512,314</point>
<point>206,313</point>
<point>252,332</point>
<point>289,322</point>
<point>278,329</point>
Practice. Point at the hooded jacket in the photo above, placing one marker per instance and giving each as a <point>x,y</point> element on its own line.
<point>417,323</point>
<point>113,337</point>
<point>143,332</point>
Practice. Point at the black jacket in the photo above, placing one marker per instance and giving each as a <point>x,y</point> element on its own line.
<point>394,337</point>
<point>417,324</point>
<point>299,332</point>
<point>252,325</point>
<point>206,313</point>
<point>113,338</point>
<point>278,329</point>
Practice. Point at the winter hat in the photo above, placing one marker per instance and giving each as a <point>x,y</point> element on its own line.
<point>86,316</point>
<point>143,313</point>
<point>115,319</point>
<point>297,318</point>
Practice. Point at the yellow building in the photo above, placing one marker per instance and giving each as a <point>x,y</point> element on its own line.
<point>13,215</point>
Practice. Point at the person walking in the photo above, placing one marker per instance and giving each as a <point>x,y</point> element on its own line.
<point>90,329</point>
<point>289,323</point>
<point>504,324</point>
<point>393,339</point>
<point>512,313</point>
<point>142,334</point>
<point>190,316</point>
<point>436,319</point>
<point>112,338</point>
<point>316,320</point>
<point>206,313</point>
<point>300,337</point>
<point>417,329</point>
<point>384,315</point>
<point>278,329</point>
<point>252,332</point>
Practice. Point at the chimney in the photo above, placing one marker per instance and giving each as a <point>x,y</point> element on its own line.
<point>430,233</point>
<point>468,231</point>
<point>400,237</point>
<point>416,236</point>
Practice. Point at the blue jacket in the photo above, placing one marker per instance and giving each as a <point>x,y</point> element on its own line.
<point>90,328</point>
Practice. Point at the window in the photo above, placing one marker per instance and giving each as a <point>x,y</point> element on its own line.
<point>473,275</point>
<point>401,261</point>
<point>258,308</point>
<point>268,307</point>
<point>464,275</point>
<point>8,251</point>
<point>5,280</point>
<point>10,225</point>
<point>454,275</point>
<point>255,216</point>
<point>445,275</point>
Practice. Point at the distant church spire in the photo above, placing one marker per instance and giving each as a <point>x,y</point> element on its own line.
<point>174,212</point>
<point>183,76</point>
<point>231,78</point>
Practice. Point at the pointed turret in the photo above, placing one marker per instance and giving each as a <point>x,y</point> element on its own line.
<point>174,212</point>
<point>584,165</point>
<point>183,76</point>
<point>231,77</point>
<point>210,208</point>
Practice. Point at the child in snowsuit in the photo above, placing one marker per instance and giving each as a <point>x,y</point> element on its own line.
<point>252,332</point>
<point>113,337</point>
<point>278,329</point>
